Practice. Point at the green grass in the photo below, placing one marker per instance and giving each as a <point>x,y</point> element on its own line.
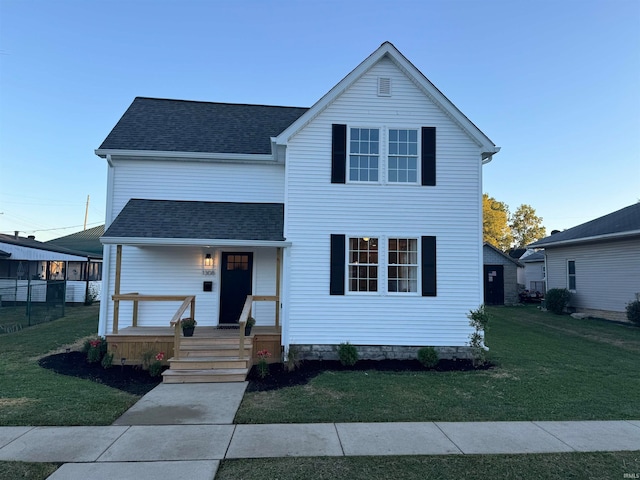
<point>454,467</point>
<point>31,395</point>
<point>548,367</point>
<point>26,470</point>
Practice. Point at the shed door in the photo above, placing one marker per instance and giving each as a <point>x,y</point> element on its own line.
<point>235,284</point>
<point>494,285</point>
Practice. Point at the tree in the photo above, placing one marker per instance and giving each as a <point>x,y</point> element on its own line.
<point>526,226</point>
<point>495,223</point>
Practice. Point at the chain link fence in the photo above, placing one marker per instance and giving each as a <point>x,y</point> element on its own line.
<point>24,303</point>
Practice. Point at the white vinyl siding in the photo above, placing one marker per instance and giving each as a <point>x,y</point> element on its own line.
<point>178,271</point>
<point>316,209</point>
<point>197,181</point>
<point>607,273</point>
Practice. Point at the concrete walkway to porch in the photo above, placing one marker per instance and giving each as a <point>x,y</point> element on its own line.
<point>183,431</point>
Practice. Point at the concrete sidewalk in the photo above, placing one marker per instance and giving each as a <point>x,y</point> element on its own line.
<point>183,431</point>
<point>194,451</point>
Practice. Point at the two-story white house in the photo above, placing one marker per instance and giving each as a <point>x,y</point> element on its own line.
<point>357,220</point>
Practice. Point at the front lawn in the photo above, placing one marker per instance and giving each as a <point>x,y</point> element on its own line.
<point>547,367</point>
<point>444,467</point>
<point>32,395</point>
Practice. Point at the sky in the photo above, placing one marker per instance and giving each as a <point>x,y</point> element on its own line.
<point>554,83</point>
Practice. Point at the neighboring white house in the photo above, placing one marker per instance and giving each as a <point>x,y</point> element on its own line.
<point>39,269</point>
<point>369,203</point>
<point>534,272</point>
<point>598,261</point>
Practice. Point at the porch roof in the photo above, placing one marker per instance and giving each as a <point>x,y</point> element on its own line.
<point>178,222</point>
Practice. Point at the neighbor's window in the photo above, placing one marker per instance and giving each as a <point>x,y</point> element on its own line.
<point>403,265</point>
<point>56,271</point>
<point>364,152</point>
<point>77,271</point>
<point>571,274</point>
<point>403,156</point>
<point>363,264</point>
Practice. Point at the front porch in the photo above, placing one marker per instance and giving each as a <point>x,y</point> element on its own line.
<point>212,354</point>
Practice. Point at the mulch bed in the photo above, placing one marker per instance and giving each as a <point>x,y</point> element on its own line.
<point>133,379</point>
<point>279,377</point>
<point>128,378</point>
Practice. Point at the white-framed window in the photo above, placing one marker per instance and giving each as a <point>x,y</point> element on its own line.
<point>364,154</point>
<point>571,275</point>
<point>363,264</point>
<point>402,268</point>
<point>402,156</point>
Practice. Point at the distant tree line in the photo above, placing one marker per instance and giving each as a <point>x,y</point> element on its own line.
<point>505,230</point>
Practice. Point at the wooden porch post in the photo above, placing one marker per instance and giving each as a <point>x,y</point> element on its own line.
<point>134,323</point>
<point>116,289</point>
<point>278,268</point>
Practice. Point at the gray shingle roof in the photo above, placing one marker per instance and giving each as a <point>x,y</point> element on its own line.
<point>199,220</point>
<point>621,221</point>
<point>187,126</point>
<point>31,243</point>
<point>87,240</point>
<point>534,257</point>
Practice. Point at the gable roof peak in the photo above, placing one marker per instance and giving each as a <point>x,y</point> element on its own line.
<point>387,49</point>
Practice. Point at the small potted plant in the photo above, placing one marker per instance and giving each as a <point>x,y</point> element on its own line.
<point>188,326</point>
<point>247,328</point>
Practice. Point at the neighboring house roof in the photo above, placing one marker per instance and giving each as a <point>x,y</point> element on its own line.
<point>31,243</point>
<point>161,125</point>
<point>86,241</point>
<point>169,219</point>
<point>619,224</point>
<point>513,260</point>
<point>388,50</point>
<point>534,257</point>
<point>517,252</point>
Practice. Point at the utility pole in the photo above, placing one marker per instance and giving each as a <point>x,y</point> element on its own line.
<point>86,214</point>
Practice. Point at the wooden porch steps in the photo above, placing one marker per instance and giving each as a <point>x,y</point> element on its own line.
<point>205,376</point>
<point>208,359</point>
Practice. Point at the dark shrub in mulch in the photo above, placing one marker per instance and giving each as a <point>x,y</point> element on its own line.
<point>128,378</point>
<point>279,377</point>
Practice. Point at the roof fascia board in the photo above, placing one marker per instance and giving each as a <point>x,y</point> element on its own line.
<point>190,242</point>
<point>192,156</point>
<point>596,238</point>
<point>387,49</point>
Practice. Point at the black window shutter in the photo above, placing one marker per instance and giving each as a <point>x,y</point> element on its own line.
<point>337,265</point>
<point>338,153</point>
<point>429,266</point>
<point>429,156</point>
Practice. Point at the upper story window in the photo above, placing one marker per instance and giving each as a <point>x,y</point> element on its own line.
<point>403,156</point>
<point>364,154</point>
<point>363,264</point>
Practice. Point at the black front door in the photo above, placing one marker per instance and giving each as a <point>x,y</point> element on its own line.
<point>494,285</point>
<point>235,284</point>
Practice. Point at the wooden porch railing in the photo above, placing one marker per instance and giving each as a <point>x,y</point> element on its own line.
<point>188,301</point>
<point>246,313</point>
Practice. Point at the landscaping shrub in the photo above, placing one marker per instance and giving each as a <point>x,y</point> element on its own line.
<point>293,359</point>
<point>479,320</point>
<point>557,299</point>
<point>95,349</point>
<point>107,360</point>
<point>428,357</point>
<point>348,354</point>
<point>633,310</point>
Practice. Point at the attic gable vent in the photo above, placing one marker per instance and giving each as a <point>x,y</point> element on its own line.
<point>384,87</point>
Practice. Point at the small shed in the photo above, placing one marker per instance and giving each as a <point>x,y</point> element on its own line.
<point>500,277</point>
